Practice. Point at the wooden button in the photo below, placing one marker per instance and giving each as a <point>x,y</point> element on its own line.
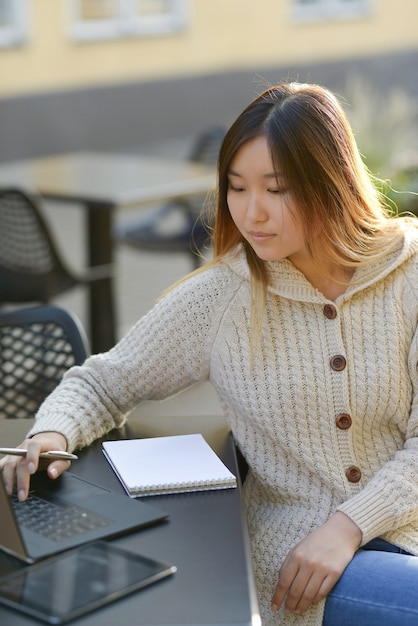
<point>330,311</point>
<point>338,363</point>
<point>343,421</point>
<point>353,474</point>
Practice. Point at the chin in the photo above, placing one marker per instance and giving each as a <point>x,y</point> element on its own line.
<point>265,256</point>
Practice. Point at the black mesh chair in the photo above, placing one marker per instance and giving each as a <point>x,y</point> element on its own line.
<point>31,268</point>
<point>144,232</point>
<point>37,346</point>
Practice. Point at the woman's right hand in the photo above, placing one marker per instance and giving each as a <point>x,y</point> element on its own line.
<point>21,468</point>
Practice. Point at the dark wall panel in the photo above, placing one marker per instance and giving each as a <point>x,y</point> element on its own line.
<point>131,116</point>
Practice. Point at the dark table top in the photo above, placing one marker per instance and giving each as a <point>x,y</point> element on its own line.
<point>205,537</point>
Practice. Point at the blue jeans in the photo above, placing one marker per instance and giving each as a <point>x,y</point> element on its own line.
<point>378,588</point>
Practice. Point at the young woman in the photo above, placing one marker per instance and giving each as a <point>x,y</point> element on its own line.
<point>305,322</point>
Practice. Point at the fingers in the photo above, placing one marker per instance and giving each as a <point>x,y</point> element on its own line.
<point>296,587</point>
<point>8,473</point>
<point>313,566</point>
<point>287,574</point>
<point>13,466</point>
<point>20,469</point>
<point>305,589</point>
<point>56,468</point>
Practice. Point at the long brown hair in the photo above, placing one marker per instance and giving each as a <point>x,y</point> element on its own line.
<point>312,145</point>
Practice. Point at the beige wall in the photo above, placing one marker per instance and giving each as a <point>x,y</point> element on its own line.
<point>222,35</point>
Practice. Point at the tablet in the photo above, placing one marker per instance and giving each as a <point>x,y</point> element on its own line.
<point>73,583</point>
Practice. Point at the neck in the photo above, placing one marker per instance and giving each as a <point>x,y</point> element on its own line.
<point>331,280</point>
<point>331,289</point>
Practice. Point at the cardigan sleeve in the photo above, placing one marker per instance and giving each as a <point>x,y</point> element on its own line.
<point>166,351</point>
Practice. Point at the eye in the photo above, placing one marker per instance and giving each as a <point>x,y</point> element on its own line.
<point>278,191</point>
<point>234,188</point>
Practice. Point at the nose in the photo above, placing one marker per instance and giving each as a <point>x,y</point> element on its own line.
<point>255,209</point>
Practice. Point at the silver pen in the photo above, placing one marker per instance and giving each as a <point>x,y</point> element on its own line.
<point>58,455</point>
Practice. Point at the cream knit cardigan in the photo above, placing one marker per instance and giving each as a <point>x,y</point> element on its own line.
<point>282,407</point>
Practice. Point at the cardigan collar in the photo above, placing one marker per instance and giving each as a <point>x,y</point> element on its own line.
<point>289,282</point>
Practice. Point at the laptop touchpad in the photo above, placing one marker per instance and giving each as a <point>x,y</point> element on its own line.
<point>76,487</point>
<point>70,486</point>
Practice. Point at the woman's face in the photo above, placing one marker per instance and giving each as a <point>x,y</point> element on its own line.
<point>262,206</point>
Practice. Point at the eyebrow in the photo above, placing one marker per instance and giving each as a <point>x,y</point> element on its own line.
<point>270,176</point>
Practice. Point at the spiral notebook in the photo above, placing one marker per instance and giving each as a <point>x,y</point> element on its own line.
<point>161,465</point>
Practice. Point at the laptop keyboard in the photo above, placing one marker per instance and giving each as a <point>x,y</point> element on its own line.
<point>55,521</point>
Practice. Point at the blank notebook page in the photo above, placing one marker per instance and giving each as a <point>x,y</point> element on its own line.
<point>173,464</point>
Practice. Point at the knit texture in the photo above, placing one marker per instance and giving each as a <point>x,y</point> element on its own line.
<point>283,404</point>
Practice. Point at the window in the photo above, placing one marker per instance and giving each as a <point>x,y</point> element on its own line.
<point>13,22</point>
<point>107,19</point>
<point>316,10</point>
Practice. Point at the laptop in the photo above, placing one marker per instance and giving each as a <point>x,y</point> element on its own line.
<point>66,512</point>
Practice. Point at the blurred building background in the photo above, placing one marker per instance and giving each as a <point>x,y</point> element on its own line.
<point>123,74</point>
<point>149,75</point>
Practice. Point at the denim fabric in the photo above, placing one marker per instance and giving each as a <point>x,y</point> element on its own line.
<point>378,588</point>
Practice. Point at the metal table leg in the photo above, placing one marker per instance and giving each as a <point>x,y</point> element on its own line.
<point>102,316</point>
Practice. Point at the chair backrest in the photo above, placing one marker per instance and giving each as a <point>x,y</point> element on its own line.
<point>206,147</point>
<point>37,346</point>
<point>31,269</point>
<point>205,150</point>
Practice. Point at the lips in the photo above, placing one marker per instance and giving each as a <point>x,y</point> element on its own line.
<point>259,236</point>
